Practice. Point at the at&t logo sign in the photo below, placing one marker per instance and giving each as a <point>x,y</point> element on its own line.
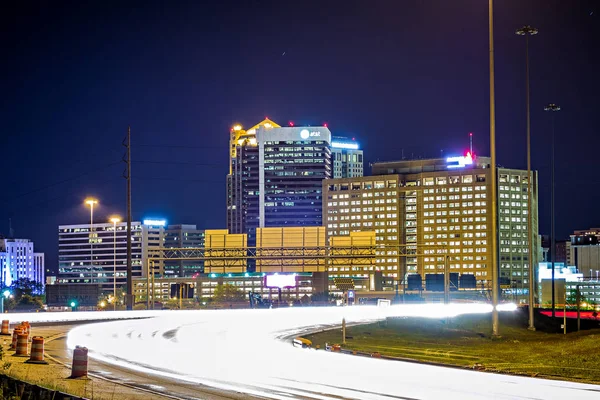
<point>305,134</point>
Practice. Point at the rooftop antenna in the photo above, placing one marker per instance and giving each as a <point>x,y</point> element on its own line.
<point>471,142</point>
<point>11,233</point>
<point>403,153</point>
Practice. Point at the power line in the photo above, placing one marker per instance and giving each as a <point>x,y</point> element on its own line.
<point>181,163</point>
<point>177,146</point>
<point>101,168</point>
<point>147,178</point>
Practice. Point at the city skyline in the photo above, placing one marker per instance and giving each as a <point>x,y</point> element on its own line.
<point>179,132</point>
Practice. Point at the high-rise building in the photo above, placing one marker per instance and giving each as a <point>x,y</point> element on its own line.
<point>19,261</point>
<point>275,177</point>
<point>584,252</point>
<point>436,211</point>
<point>179,237</point>
<point>89,257</point>
<point>347,158</point>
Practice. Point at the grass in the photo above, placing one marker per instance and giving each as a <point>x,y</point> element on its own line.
<point>465,341</point>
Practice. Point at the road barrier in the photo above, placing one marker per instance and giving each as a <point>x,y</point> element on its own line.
<point>26,326</point>
<point>15,334</point>
<point>80,362</point>
<point>5,325</point>
<point>376,355</point>
<point>22,345</point>
<point>37,351</point>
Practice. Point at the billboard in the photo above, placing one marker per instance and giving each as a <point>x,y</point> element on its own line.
<point>280,281</point>
<point>61,295</point>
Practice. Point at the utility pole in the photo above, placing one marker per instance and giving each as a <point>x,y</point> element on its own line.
<point>494,177</point>
<point>127,175</point>
<point>529,31</point>
<point>552,108</point>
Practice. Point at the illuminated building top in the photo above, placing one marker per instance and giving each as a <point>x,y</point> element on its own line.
<point>468,161</point>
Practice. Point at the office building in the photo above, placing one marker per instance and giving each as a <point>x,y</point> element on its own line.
<point>347,158</point>
<point>585,252</point>
<point>180,237</point>
<point>89,257</point>
<point>19,261</point>
<point>275,177</point>
<point>431,212</point>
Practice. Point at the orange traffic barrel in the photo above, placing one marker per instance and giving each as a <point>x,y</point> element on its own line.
<point>376,355</point>
<point>22,345</point>
<point>80,362</point>
<point>37,351</point>
<point>15,334</point>
<point>5,324</point>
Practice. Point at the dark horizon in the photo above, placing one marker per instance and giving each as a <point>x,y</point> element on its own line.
<point>409,76</point>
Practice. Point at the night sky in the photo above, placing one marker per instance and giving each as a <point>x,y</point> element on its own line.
<point>395,74</point>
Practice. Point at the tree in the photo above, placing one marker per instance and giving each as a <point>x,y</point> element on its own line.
<point>26,286</point>
<point>228,293</point>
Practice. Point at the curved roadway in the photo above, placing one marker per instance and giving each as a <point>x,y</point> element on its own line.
<point>242,351</point>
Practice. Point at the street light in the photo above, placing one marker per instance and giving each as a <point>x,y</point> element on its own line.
<point>552,108</point>
<point>5,295</point>
<point>494,244</point>
<point>529,31</point>
<point>91,202</point>
<point>115,220</point>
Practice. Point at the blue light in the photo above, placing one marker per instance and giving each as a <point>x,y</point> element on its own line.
<point>344,145</point>
<point>155,222</point>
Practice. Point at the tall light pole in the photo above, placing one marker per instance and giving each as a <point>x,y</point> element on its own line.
<point>493,174</point>
<point>115,220</point>
<point>91,202</point>
<point>552,108</point>
<point>529,31</point>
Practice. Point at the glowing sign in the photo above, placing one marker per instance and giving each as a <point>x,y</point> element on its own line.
<point>460,162</point>
<point>342,145</point>
<point>305,134</point>
<point>280,281</point>
<point>155,222</point>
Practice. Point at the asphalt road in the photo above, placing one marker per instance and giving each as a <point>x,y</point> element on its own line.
<point>248,353</point>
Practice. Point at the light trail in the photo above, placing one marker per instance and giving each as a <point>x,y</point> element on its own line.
<point>241,350</point>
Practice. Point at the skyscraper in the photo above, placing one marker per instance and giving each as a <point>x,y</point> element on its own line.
<point>18,260</point>
<point>275,177</point>
<point>347,158</point>
<point>438,211</point>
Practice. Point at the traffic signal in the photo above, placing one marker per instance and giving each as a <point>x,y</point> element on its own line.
<point>73,305</point>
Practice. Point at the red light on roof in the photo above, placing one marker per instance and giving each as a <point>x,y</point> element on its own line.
<point>291,123</point>
<point>470,133</point>
<point>353,139</point>
<point>469,156</point>
<point>325,124</point>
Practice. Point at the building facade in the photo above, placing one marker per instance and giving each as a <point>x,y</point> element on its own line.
<point>275,177</point>
<point>98,253</point>
<point>428,213</point>
<point>347,158</point>
<point>585,252</point>
<point>180,237</point>
<point>19,261</point>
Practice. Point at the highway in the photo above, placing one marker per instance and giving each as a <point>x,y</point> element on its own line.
<point>248,352</point>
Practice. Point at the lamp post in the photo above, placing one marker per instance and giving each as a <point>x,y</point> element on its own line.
<point>91,202</point>
<point>494,244</point>
<point>5,295</point>
<point>529,31</point>
<point>552,108</point>
<point>115,220</point>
